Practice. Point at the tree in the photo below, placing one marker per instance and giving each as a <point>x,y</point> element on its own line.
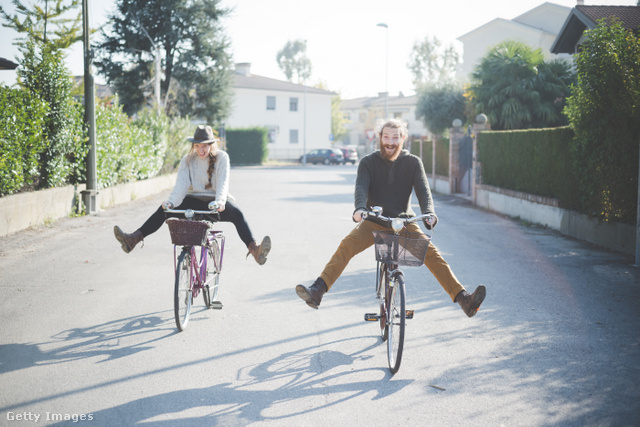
<point>438,106</point>
<point>47,24</point>
<point>195,56</point>
<point>604,111</point>
<point>431,63</point>
<point>337,119</point>
<point>517,89</point>
<point>292,60</point>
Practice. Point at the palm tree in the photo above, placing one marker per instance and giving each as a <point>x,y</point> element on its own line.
<point>517,89</point>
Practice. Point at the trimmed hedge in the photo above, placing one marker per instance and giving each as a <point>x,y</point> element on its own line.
<point>535,161</point>
<point>247,146</point>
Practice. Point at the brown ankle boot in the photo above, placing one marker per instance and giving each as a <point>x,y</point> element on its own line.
<point>128,241</point>
<point>470,303</point>
<point>312,295</point>
<point>260,252</point>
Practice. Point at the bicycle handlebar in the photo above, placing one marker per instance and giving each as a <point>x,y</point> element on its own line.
<point>189,213</point>
<point>378,214</point>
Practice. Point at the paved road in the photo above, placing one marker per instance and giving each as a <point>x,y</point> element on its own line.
<point>88,331</point>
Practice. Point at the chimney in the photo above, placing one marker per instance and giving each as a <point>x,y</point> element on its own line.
<point>579,2</point>
<point>243,68</point>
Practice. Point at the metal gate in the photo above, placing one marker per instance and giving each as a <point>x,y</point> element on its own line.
<point>465,161</point>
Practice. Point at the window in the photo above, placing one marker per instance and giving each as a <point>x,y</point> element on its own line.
<point>397,115</point>
<point>272,134</point>
<point>293,104</point>
<point>271,102</point>
<point>293,136</point>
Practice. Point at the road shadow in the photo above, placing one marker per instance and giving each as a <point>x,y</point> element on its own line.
<point>103,340</point>
<point>314,376</point>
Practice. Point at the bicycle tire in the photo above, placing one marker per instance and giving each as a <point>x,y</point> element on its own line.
<point>183,292</point>
<point>210,290</point>
<point>383,277</point>
<point>397,316</point>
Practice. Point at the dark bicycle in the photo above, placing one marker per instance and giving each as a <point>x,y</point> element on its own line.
<point>392,249</point>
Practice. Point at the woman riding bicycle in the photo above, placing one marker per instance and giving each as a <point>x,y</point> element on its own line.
<point>203,176</point>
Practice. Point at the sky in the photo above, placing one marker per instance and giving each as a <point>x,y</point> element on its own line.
<point>347,49</point>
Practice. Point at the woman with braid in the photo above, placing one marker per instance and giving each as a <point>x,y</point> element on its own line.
<point>203,176</point>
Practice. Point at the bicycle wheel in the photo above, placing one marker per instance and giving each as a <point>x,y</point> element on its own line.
<point>183,294</point>
<point>397,317</point>
<point>210,290</point>
<point>382,287</point>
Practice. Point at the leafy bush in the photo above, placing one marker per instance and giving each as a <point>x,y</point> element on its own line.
<point>247,146</point>
<point>126,150</point>
<point>604,111</point>
<point>45,76</point>
<point>21,138</point>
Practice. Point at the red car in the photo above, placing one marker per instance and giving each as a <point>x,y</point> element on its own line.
<point>350,155</point>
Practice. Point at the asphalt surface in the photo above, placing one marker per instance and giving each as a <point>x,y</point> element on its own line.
<point>88,333</point>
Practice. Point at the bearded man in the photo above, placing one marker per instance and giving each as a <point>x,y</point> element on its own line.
<point>387,178</point>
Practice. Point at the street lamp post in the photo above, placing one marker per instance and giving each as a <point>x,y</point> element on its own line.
<point>386,77</point>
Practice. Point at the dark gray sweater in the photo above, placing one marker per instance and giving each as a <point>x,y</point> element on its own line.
<point>389,184</point>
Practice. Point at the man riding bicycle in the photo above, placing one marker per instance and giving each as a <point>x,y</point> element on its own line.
<point>386,178</point>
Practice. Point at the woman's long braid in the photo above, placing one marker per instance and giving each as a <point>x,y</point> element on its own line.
<point>212,163</point>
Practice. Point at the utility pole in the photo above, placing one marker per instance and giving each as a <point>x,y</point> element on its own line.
<point>90,193</point>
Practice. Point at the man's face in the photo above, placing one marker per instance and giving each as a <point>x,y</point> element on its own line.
<point>391,143</point>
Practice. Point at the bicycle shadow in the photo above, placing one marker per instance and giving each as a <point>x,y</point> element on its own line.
<point>104,340</point>
<point>294,383</point>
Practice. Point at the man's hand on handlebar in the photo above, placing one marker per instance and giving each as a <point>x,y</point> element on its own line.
<point>357,215</point>
<point>430,222</point>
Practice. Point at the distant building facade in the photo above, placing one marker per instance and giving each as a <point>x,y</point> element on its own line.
<point>538,28</point>
<point>297,117</point>
<point>362,114</point>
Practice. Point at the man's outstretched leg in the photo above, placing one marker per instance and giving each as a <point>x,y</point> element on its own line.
<point>313,294</point>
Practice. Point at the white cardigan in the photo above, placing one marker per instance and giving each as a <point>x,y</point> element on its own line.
<point>192,179</point>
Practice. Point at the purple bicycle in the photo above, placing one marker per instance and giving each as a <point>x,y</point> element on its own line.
<point>198,250</point>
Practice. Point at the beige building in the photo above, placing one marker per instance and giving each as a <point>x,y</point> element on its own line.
<point>537,27</point>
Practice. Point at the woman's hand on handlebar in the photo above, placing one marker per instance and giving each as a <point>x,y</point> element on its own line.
<point>167,205</point>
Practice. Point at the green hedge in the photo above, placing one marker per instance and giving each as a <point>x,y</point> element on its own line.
<point>535,161</point>
<point>247,146</point>
<point>22,139</point>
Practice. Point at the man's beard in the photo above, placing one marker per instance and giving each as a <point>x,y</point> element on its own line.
<point>394,155</point>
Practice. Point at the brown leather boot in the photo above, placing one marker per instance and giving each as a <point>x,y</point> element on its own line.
<point>470,303</point>
<point>128,241</point>
<point>312,295</point>
<point>261,251</point>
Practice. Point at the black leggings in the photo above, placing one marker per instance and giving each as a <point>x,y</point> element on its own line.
<point>231,213</point>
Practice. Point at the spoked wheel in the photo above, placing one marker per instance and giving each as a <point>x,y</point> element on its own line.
<point>397,318</point>
<point>382,278</point>
<point>210,290</point>
<point>183,295</point>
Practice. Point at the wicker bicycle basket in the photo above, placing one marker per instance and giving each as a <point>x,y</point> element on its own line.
<point>404,249</point>
<point>188,233</point>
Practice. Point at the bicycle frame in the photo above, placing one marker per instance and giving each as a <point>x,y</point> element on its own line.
<point>198,265</point>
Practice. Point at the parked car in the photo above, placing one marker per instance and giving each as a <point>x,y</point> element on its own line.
<point>325,156</point>
<point>350,155</point>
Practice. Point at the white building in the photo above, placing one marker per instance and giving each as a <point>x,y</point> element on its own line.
<point>538,28</point>
<point>297,117</point>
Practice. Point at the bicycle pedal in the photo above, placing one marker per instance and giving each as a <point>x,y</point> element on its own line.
<point>371,317</point>
<point>408,314</point>
<point>216,305</point>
